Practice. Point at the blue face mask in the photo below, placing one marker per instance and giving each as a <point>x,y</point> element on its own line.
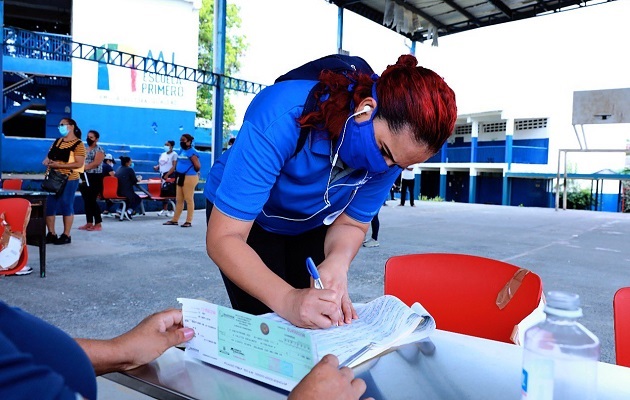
<point>63,130</point>
<point>131,165</point>
<point>358,147</point>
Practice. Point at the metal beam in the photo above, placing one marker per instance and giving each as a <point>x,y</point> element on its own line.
<point>507,11</point>
<point>63,48</point>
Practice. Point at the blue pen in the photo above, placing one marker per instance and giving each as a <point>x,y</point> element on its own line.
<point>312,270</point>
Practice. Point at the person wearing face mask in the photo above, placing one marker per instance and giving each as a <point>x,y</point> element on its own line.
<point>127,180</point>
<point>67,155</point>
<point>271,204</point>
<point>187,167</point>
<point>108,170</point>
<point>93,184</point>
<point>166,166</point>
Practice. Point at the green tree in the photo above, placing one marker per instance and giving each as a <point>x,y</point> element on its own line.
<point>235,47</point>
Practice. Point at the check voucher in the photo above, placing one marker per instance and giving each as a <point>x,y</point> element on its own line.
<point>268,351</point>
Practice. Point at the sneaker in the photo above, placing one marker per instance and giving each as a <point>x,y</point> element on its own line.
<point>161,213</point>
<point>106,212</point>
<point>25,271</point>
<point>51,238</point>
<point>129,215</point>
<point>170,214</point>
<point>63,239</point>
<point>371,243</point>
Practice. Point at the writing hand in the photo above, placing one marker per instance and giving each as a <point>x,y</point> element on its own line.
<point>326,381</point>
<point>311,308</point>
<point>337,280</point>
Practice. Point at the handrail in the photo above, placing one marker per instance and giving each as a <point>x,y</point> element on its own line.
<point>46,46</point>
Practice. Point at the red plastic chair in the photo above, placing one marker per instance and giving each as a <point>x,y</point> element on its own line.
<point>460,291</point>
<point>621,311</point>
<point>17,213</point>
<point>155,189</point>
<point>110,192</point>
<point>12,184</point>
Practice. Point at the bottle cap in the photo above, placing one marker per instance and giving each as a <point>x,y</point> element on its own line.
<point>563,304</point>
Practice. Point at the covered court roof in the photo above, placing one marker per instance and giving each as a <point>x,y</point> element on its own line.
<point>420,20</point>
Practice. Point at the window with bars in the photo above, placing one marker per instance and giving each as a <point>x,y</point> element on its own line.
<point>494,127</point>
<point>463,129</point>
<point>527,124</point>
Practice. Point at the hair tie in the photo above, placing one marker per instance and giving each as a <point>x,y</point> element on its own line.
<point>351,87</point>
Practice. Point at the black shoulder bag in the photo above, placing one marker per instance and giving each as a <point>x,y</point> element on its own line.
<point>54,181</point>
<point>181,176</point>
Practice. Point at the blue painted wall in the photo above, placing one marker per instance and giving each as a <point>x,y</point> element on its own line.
<point>525,151</point>
<point>457,186</point>
<point>25,155</point>
<point>489,189</point>
<point>135,126</point>
<point>529,192</point>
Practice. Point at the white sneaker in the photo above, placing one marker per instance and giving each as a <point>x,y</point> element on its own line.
<point>170,214</point>
<point>371,243</point>
<point>25,271</point>
<point>161,213</point>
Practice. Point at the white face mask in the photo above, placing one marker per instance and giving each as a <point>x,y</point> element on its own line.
<point>167,148</point>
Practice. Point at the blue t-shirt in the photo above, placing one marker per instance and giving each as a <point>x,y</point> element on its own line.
<point>259,179</point>
<point>184,165</point>
<point>39,361</point>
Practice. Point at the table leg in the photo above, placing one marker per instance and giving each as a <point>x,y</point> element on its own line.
<point>42,256</point>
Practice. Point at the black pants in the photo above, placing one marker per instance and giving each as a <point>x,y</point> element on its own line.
<point>132,201</point>
<point>407,184</point>
<point>376,225</point>
<point>90,195</point>
<point>283,254</point>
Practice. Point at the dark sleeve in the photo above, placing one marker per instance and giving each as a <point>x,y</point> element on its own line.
<point>39,361</point>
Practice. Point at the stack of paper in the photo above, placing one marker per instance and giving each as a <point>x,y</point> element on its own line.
<point>270,349</point>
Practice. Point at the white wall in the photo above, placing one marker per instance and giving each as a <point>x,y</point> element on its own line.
<point>167,29</point>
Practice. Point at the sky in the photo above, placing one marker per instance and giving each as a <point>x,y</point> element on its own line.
<point>529,68</point>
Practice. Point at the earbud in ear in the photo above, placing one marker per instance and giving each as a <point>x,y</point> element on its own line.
<point>367,108</point>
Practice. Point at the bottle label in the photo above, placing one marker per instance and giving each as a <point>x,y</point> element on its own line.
<point>537,380</point>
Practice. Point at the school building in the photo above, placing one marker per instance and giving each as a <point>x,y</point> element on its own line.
<point>117,67</point>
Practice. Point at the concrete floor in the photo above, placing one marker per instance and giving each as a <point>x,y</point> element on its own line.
<point>105,282</point>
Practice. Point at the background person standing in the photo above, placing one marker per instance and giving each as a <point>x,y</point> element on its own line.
<point>187,167</point>
<point>67,155</point>
<point>408,182</point>
<point>93,185</point>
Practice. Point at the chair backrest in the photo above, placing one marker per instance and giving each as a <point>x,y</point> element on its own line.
<point>17,213</point>
<point>460,291</point>
<point>12,184</point>
<point>155,187</point>
<point>621,311</point>
<point>110,187</point>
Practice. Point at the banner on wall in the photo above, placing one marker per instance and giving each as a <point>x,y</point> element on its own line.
<point>164,30</point>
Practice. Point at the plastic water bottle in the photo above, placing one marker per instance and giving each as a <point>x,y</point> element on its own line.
<point>560,355</point>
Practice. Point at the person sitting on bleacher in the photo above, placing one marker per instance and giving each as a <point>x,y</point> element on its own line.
<point>127,180</point>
